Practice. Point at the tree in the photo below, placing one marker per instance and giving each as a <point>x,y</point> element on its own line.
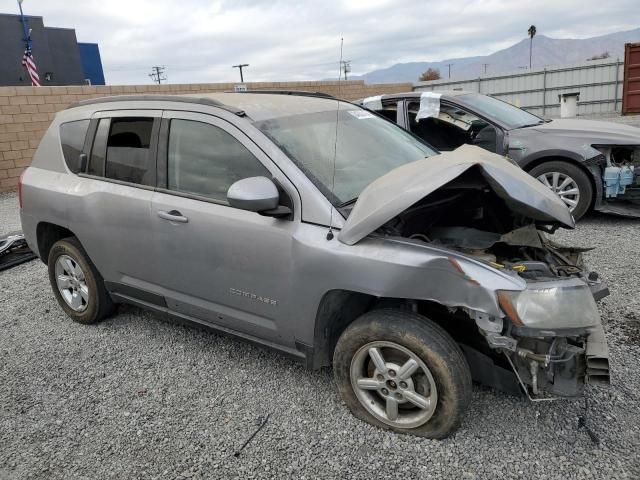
<point>532,33</point>
<point>430,74</point>
<point>600,56</point>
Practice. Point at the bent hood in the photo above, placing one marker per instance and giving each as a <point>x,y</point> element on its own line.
<point>391,194</point>
<point>592,131</point>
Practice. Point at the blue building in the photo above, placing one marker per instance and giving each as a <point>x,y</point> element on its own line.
<point>91,63</point>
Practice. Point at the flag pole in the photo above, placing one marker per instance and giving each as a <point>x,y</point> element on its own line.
<point>25,29</point>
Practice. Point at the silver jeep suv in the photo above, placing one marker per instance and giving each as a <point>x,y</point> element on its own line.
<point>315,227</point>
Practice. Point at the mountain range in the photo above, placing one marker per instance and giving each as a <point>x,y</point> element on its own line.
<point>546,52</point>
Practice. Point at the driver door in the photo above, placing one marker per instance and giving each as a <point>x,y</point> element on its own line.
<point>454,127</point>
<point>215,263</point>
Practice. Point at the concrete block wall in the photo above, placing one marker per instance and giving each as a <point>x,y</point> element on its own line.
<point>25,112</point>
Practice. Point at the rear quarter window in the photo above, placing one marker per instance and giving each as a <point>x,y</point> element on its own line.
<point>72,135</point>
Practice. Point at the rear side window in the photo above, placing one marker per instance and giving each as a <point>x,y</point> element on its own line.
<point>205,160</point>
<point>128,151</point>
<point>72,135</point>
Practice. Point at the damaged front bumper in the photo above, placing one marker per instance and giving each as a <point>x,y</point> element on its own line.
<point>548,368</point>
<point>555,345</point>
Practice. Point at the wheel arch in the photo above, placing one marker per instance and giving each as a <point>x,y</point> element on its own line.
<point>595,185</point>
<point>339,308</point>
<point>47,234</point>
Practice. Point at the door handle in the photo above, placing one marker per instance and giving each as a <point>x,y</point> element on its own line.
<point>173,216</point>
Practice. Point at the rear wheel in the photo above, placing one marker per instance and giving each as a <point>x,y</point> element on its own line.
<point>569,182</point>
<point>77,285</point>
<point>398,370</point>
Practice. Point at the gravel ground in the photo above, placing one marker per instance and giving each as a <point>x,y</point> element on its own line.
<point>137,397</point>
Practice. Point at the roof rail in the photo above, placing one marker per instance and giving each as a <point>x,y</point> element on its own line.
<point>301,93</point>
<point>159,98</point>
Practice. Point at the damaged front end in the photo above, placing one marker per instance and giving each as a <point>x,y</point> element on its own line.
<point>472,203</point>
<point>619,169</point>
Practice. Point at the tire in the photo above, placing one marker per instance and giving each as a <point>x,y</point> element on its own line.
<point>579,178</point>
<point>95,304</point>
<point>430,344</point>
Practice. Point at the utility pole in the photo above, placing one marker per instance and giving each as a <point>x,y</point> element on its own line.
<point>241,66</point>
<point>449,65</point>
<point>157,74</point>
<point>346,67</point>
<point>485,65</point>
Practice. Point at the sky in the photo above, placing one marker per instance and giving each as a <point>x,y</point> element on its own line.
<point>198,41</point>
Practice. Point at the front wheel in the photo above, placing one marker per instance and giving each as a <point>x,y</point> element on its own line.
<point>400,371</point>
<point>569,182</point>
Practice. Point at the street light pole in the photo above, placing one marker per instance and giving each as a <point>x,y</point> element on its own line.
<point>241,66</point>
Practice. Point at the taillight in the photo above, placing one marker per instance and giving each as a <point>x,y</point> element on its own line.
<point>20,189</point>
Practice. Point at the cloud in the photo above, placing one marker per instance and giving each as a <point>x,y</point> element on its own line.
<point>199,40</point>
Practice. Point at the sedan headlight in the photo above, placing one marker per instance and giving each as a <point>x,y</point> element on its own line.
<point>551,305</point>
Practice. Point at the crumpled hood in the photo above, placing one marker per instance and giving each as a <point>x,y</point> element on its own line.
<point>391,194</point>
<point>594,132</point>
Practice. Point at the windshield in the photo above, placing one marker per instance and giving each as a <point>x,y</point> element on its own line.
<point>503,112</point>
<point>367,148</point>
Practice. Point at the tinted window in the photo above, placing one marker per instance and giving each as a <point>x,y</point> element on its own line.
<point>96,162</point>
<point>72,136</point>
<point>206,160</point>
<point>128,151</point>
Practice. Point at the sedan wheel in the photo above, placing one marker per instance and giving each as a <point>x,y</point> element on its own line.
<point>564,186</point>
<point>569,181</point>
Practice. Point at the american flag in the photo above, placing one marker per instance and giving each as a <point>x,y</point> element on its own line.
<point>30,65</point>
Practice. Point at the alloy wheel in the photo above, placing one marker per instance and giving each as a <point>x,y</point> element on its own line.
<point>393,384</point>
<point>71,283</point>
<point>564,186</point>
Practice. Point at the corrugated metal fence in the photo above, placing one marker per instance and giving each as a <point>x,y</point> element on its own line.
<point>599,83</point>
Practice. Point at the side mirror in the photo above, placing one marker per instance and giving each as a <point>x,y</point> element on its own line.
<point>255,194</point>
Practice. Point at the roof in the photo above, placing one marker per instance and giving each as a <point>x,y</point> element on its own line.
<point>258,106</point>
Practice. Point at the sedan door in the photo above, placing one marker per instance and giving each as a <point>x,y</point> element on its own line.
<point>453,127</point>
<point>216,263</point>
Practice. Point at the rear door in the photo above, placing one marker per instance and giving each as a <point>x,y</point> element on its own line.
<point>111,216</point>
<point>216,263</point>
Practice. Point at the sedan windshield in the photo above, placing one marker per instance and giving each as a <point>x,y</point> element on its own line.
<point>367,147</point>
<point>503,112</point>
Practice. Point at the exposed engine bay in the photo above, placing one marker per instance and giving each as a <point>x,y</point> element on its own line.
<point>621,173</point>
<point>466,215</point>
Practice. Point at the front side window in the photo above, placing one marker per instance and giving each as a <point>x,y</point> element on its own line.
<point>502,112</point>
<point>72,135</point>
<point>205,160</point>
<point>366,148</point>
<point>452,128</point>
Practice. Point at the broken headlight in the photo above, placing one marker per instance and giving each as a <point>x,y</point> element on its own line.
<point>553,305</point>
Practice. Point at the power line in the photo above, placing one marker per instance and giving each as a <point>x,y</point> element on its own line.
<point>241,66</point>
<point>157,74</point>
